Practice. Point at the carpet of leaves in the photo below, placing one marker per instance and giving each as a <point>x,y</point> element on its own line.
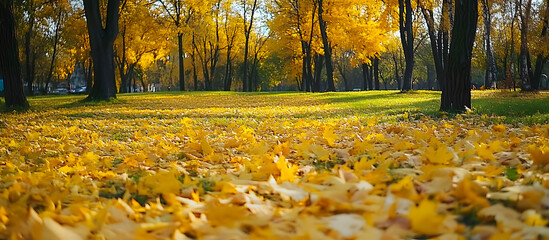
<point>258,167</point>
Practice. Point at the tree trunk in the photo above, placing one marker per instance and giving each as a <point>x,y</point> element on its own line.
<point>540,59</point>
<point>327,49</point>
<point>181,62</point>
<point>304,81</point>
<point>407,40</point>
<point>29,52</point>
<point>524,57</point>
<point>9,60</point>
<point>491,70</point>
<point>341,70</point>
<point>89,76</point>
<point>124,85</point>
<point>101,44</point>
<point>456,94</point>
<point>54,54</point>
<point>436,44</point>
<point>247,86</point>
<point>319,64</point>
<point>228,70</point>
<point>365,76</point>
<point>376,73</point>
<point>397,75</point>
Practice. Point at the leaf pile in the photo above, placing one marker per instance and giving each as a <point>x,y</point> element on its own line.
<point>268,171</point>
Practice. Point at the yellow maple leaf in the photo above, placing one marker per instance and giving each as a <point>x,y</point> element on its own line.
<point>404,188</point>
<point>205,146</point>
<point>225,214</point>
<point>163,182</point>
<point>287,173</point>
<point>438,154</point>
<point>329,135</point>
<point>540,155</point>
<point>532,218</point>
<point>321,153</point>
<point>492,171</point>
<point>425,219</point>
<point>499,128</point>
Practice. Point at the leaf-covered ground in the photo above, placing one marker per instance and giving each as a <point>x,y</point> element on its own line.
<point>377,165</point>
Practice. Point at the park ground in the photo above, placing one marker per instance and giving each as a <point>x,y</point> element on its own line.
<point>216,165</point>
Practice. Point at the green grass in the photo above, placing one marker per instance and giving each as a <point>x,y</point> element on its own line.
<point>496,106</point>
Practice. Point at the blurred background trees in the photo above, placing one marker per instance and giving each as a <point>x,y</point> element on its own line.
<point>304,45</point>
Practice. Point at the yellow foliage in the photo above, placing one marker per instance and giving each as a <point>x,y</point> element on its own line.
<point>214,167</point>
<point>425,219</point>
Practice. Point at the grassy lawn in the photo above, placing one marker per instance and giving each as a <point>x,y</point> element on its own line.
<point>497,106</point>
<point>203,165</point>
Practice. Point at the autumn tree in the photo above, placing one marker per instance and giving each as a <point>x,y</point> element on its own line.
<point>326,47</point>
<point>249,9</point>
<point>30,9</point>
<point>543,48</point>
<point>141,41</point>
<point>9,59</point>
<point>230,33</point>
<point>456,90</point>
<point>438,34</point>
<point>59,11</point>
<point>405,22</point>
<point>181,12</point>
<point>491,69</point>
<point>525,70</point>
<point>101,45</point>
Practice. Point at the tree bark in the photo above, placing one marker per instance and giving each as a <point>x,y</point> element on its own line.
<point>327,49</point>
<point>181,57</point>
<point>456,94</point>
<point>9,59</point>
<point>525,69</point>
<point>319,64</point>
<point>247,86</point>
<point>101,44</point>
<point>124,85</point>
<point>376,73</point>
<point>407,40</point>
<point>365,76</point>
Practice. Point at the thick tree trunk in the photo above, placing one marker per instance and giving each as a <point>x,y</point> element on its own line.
<point>89,76</point>
<point>308,54</point>
<point>376,73</point>
<point>304,74</point>
<point>9,59</point>
<point>101,44</point>
<point>456,94</point>
<point>327,49</point>
<point>228,71</point>
<point>319,64</point>
<point>247,85</point>
<point>397,75</point>
<point>407,40</point>
<point>365,76</point>
<point>124,85</point>
<point>181,56</point>
<point>341,70</point>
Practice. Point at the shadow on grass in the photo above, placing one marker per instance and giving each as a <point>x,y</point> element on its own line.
<point>84,103</point>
